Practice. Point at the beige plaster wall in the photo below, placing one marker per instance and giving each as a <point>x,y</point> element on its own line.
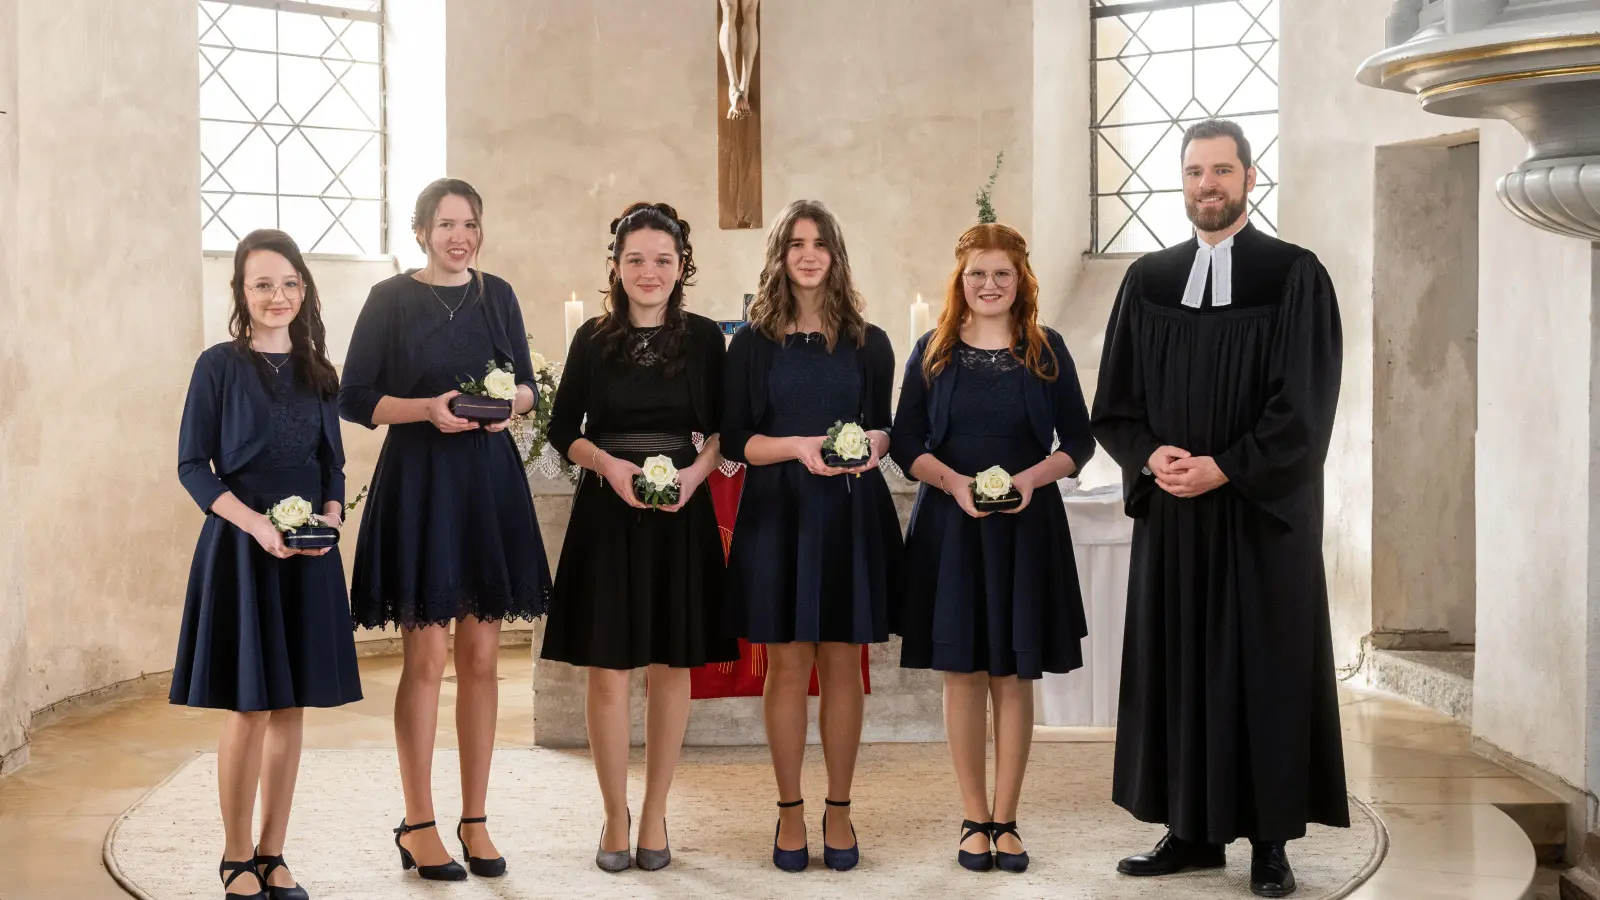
<point>1536,418</point>
<point>1534,376</point>
<point>1425,326</point>
<point>562,113</point>
<point>107,133</point>
<point>13,604</point>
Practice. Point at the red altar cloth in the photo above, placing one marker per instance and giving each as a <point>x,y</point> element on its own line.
<point>745,677</point>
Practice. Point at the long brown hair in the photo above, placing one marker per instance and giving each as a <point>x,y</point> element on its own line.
<point>611,332</point>
<point>308,338</point>
<point>1026,334</point>
<point>775,307</point>
<point>427,209</point>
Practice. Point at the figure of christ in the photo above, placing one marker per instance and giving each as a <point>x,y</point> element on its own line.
<point>739,39</point>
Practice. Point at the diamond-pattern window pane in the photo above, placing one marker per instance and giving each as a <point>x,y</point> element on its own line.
<point>1156,72</point>
<point>291,125</point>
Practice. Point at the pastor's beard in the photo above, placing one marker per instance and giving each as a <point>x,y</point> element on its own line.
<point>1214,220</point>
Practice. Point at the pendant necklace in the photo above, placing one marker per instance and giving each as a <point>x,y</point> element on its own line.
<point>448,307</point>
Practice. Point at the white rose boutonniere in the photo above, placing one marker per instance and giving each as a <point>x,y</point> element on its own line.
<point>500,384</point>
<point>992,490</point>
<point>291,513</point>
<point>489,399</point>
<point>846,446</point>
<point>657,485</point>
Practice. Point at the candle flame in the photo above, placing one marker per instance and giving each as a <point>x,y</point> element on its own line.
<point>574,296</point>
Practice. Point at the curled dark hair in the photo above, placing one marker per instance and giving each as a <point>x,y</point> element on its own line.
<point>307,336</point>
<point>614,326</point>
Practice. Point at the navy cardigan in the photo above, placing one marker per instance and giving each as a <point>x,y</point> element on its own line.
<point>227,421</point>
<point>384,352</point>
<point>750,358</point>
<point>1055,409</point>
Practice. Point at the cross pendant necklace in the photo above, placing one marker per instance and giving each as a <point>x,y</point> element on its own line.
<point>448,307</point>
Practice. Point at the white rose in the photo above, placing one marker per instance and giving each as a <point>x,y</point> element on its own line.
<point>289,513</point>
<point>851,442</point>
<point>660,472</point>
<point>500,384</point>
<point>992,483</point>
<point>539,362</point>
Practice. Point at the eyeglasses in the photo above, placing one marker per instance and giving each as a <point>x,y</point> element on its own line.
<point>292,290</point>
<point>1003,278</point>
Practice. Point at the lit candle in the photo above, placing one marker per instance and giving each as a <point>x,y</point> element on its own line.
<point>574,316</point>
<point>919,320</point>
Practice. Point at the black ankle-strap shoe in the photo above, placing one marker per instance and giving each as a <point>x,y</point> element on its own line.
<point>1008,862</point>
<point>277,893</point>
<point>243,867</point>
<point>483,868</point>
<point>450,871</point>
<point>974,862</point>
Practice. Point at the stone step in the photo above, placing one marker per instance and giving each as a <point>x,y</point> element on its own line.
<point>1441,680</point>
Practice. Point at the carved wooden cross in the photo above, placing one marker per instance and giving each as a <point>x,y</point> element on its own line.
<point>739,123</point>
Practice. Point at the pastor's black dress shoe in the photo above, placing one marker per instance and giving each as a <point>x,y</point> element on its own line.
<point>1173,855</point>
<point>1270,875</point>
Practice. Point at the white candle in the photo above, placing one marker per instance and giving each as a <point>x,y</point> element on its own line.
<point>574,316</point>
<point>919,320</point>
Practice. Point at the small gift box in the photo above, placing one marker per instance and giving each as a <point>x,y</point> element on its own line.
<point>657,485</point>
<point>302,530</point>
<point>846,446</point>
<point>480,409</point>
<point>992,491</point>
<point>488,400</point>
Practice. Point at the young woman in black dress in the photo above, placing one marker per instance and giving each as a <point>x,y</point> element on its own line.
<point>266,628</point>
<point>814,570</point>
<point>449,532</point>
<point>639,587</point>
<point>991,597</point>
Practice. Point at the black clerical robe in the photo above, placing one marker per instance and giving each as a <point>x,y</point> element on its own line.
<point>1228,722</point>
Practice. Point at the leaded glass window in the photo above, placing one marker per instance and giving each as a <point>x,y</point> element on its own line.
<point>1158,67</point>
<point>291,123</point>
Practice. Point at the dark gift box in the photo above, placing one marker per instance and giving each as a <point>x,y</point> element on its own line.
<point>1009,501</point>
<point>311,537</point>
<point>480,409</point>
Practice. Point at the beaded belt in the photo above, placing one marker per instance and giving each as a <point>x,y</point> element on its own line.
<point>642,442</point>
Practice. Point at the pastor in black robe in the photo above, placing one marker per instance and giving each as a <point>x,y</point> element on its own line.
<point>1228,722</point>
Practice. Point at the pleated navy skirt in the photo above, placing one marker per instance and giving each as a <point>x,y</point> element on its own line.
<point>261,633</point>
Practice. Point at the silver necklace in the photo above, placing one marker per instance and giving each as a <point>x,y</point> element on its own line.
<point>276,367</point>
<point>448,307</point>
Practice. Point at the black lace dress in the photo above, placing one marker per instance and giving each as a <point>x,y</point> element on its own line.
<point>636,587</point>
<point>998,594</point>
<point>814,558</point>
<point>449,530</point>
<point>262,633</point>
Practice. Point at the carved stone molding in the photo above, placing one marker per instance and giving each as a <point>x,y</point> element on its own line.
<point>1533,63</point>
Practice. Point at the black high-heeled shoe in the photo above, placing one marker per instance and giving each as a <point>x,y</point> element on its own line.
<point>483,868</point>
<point>244,867</point>
<point>277,893</point>
<point>789,860</point>
<point>839,860</point>
<point>974,862</point>
<point>1008,862</point>
<point>450,871</point>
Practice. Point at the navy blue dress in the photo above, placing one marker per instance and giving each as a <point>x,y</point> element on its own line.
<point>260,633</point>
<point>998,594</point>
<point>449,530</point>
<point>814,558</point>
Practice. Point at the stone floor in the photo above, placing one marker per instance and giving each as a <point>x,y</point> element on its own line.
<point>1415,766</point>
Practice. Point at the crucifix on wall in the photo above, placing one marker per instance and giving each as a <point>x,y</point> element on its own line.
<point>739,115</point>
